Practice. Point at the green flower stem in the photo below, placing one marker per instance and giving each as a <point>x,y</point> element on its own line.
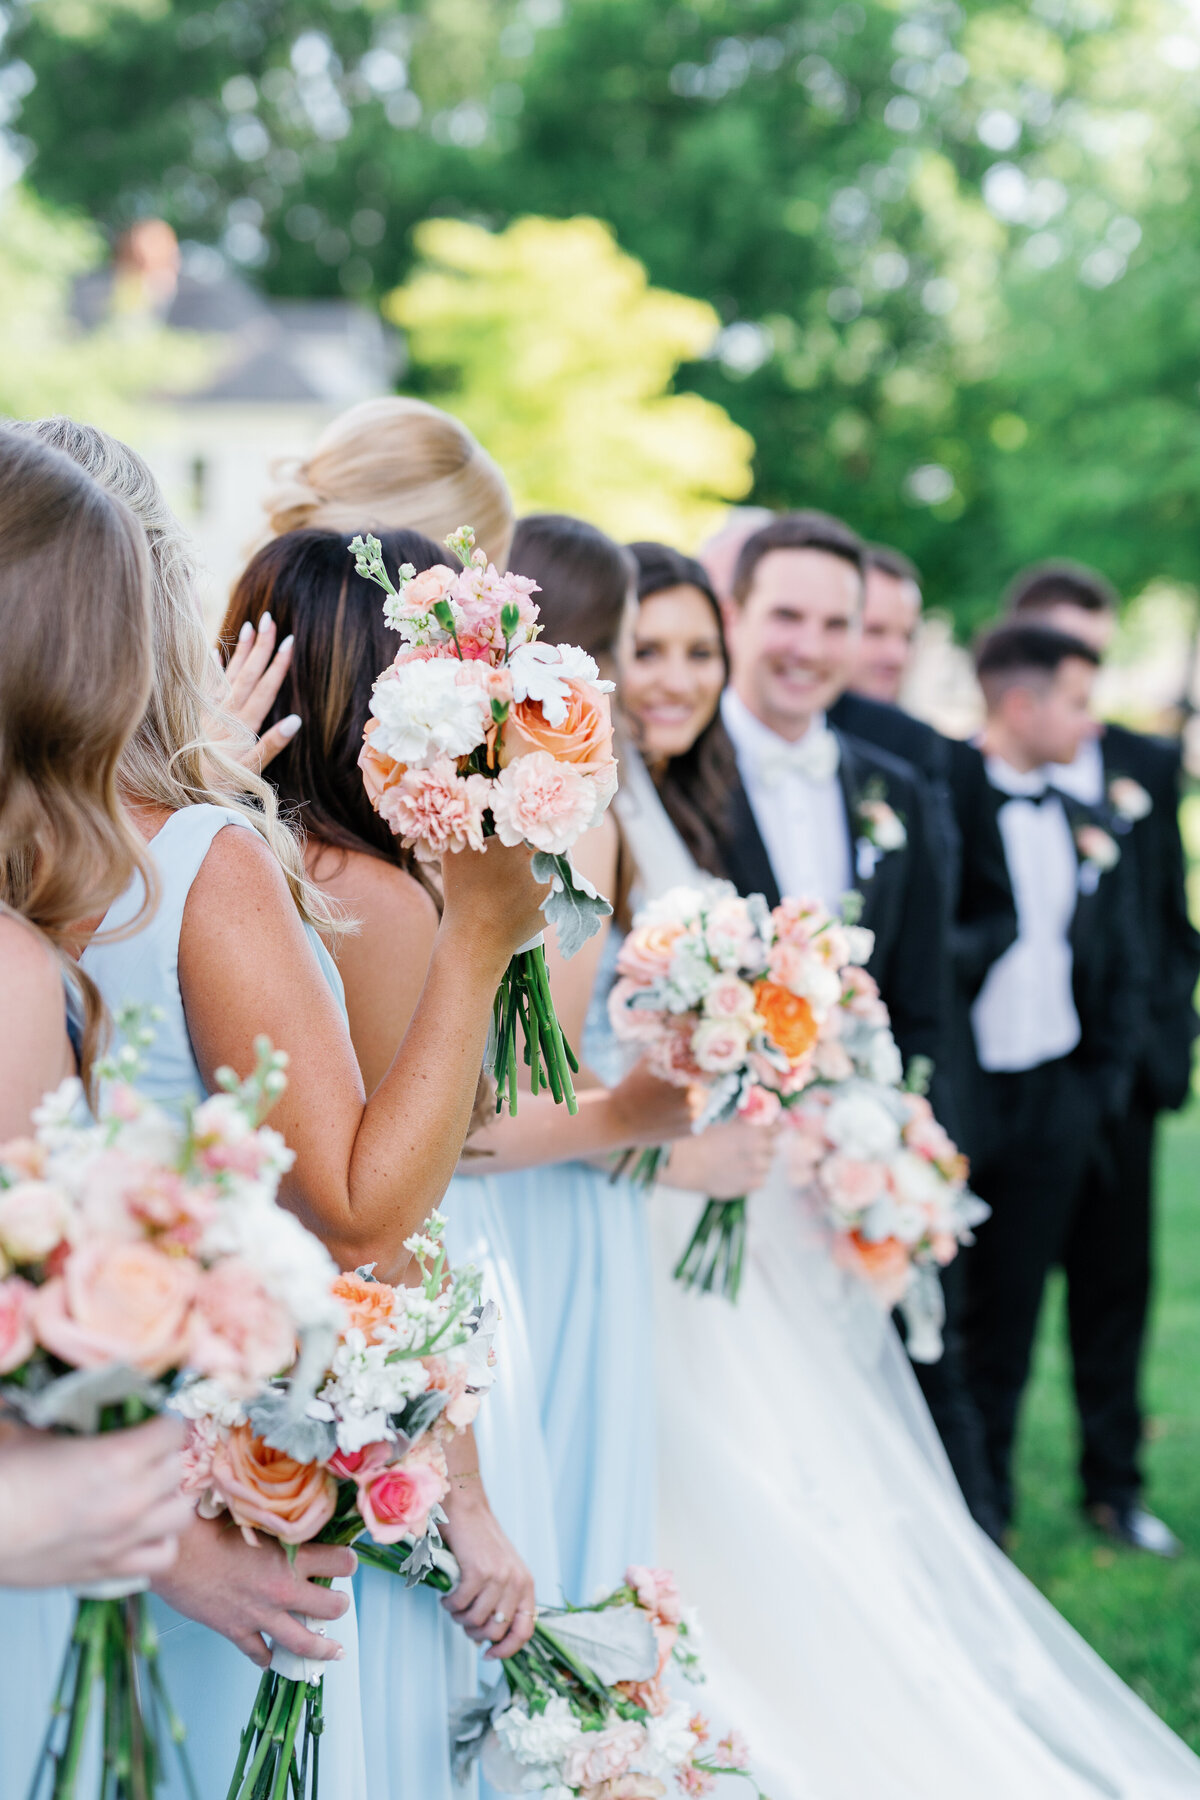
<point>524,1000</point>
<point>714,1258</point>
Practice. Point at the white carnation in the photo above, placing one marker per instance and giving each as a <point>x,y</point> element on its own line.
<point>208,1399</point>
<point>883,1063</point>
<point>539,1739</point>
<point>916,1179</point>
<point>670,1741</point>
<point>861,1126</point>
<point>860,943</point>
<point>424,713</point>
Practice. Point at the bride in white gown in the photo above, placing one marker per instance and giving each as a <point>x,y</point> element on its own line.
<point>865,1635</point>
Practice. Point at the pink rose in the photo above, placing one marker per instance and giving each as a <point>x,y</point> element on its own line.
<point>238,1331</point>
<point>33,1219</point>
<point>759,1106</point>
<point>646,954</point>
<point>719,1045</point>
<point>539,801</point>
<point>118,1303</point>
<point>435,811</point>
<point>657,1592</point>
<point>852,1185</point>
<point>16,1323</point>
<point>361,1465</point>
<point>729,998</point>
<point>400,1498</point>
<point>603,1755</point>
<point>634,1024</point>
<point>670,1056</point>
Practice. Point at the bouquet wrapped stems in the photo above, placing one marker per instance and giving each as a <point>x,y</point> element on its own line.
<point>716,1251</point>
<point>523,998</point>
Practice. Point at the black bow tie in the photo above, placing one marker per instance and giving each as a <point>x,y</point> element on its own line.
<point>1038,799</point>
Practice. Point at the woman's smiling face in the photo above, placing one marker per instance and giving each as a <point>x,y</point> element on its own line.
<point>671,669</point>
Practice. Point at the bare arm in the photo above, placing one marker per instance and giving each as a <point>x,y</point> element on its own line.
<point>35,1051</point>
<point>367,1172</point>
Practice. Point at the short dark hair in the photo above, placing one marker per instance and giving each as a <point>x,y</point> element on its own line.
<point>1052,583</point>
<point>583,574</point>
<point>797,531</point>
<point>659,567</point>
<point>1011,653</point>
<point>892,562</point>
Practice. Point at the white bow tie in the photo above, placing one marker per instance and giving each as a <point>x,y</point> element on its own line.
<point>814,758</point>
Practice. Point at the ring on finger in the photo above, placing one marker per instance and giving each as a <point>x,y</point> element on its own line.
<point>499,1618</point>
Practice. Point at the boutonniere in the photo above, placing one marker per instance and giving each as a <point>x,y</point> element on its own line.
<point>1098,854</point>
<point>880,829</point>
<point>1129,800</point>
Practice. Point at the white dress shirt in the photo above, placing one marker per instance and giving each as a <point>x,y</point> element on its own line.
<point>1083,779</point>
<point>801,818</point>
<point>1025,1012</point>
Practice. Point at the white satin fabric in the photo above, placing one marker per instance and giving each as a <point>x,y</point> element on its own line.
<point>860,1629</point>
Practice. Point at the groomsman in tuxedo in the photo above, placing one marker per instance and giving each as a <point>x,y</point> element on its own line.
<point>1135,781</point>
<point>819,811</point>
<point>1057,1024</point>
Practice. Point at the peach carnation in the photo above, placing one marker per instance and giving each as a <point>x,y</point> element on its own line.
<point>603,1755</point>
<point>657,1591</point>
<point>269,1490</point>
<point>122,1303</point>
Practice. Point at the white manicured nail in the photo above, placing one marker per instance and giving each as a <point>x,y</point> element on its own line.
<point>287,643</point>
<point>246,631</point>
<point>290,726</point>
<point>264,621</point>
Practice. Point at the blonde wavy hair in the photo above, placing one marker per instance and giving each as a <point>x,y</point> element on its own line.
<point>75,675</point>
<point>394,464</point>
<point>184,751</point>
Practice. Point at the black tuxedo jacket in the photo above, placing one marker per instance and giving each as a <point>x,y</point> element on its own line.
<point>1109,974</point>
<point>901,900</point>
<point>1154,846</point>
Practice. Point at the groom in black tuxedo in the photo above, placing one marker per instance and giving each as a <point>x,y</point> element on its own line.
<point>1134,780</point>
<point>818,811</point>
<point>1057,1025</point>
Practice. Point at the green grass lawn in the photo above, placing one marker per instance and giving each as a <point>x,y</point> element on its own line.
<point>1141,1614</point>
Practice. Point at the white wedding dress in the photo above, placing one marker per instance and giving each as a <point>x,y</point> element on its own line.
<point>860,1630</point>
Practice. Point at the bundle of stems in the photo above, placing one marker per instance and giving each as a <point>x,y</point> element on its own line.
<point>716,1250</point>
<point>523,998</point>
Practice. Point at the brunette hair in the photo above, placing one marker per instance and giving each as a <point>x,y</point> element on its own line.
<point>395,464</point>
<point>1053,583</point>
<point>797,531</point>
<point>75,669</point>
<point>306,580</point>
<point>583,575</point>
<point>695,786</point>
<point>891,562</point>
<point>1017,654</point>
<point>183,751</point>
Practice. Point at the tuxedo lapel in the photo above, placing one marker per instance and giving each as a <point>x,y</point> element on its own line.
<point>743,852</point>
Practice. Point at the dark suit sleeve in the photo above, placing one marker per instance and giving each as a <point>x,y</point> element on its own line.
<point>914,982</point>
<point>1116,1032</point>
<point>985,919</point>
<point>1172,1022</point>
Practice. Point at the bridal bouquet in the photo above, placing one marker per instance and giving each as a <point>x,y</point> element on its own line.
<point>477,729</point>
<point>139,1252</point>
<point>892,1184</point>
<point>733,995</point>
<point>583,1709</point>
<point>349,1442</point>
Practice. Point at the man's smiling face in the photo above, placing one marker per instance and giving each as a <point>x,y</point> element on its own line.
<point>794,638</point>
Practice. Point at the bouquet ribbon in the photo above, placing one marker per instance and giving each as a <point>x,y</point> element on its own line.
<point>301,1668</point>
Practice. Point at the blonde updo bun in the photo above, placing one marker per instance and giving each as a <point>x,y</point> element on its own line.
<point>393,464</point>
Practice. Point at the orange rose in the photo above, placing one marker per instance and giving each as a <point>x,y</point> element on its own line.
<point>379,772</point>
<point>369,1304</point>
<point>585,735</point>
<point>290,1500</point>
<point>885,1265</point>
<point>788,1019</point>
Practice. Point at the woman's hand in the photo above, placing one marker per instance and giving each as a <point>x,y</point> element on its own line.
<point>249,1592</point>
<point>255,673</point>
<point>80,1509</point>
<point>650,1111</point>
<point>492,901</point>
<point>494,1602</point>
<point>724,1162</point>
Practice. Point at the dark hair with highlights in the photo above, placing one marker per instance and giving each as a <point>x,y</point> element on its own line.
<point>584,577</point>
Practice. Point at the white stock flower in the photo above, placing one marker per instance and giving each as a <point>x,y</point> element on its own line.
<point>364,1385</point>
<point>883,1062</point>
<point>860,942</point>
<point>424,712</point>
<point>861,1126</point>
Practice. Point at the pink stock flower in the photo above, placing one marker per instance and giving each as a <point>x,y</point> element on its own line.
<point>16,1323</point>
<point>695,1782</point>
<point>34,1217</point>
<point>122,1303</point>
<point>646,954</point>
<point>268,1490</point>
<point>657,1592</point>
<point>539,801</point>
<point>481,596</point>
<point>178,1211</point>
<point>760,1106</point>
<point>603,1755</point>
<point>719,1045</point>
<point>400,1498</point>
<point>733,1751</point>
<point>436,812</point>
<point>238,1331</point>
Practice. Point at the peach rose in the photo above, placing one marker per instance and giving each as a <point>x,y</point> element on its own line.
<point>265,1488</point>
<point>788,1018</point>
<point>118,1303</point>
<point>370,1305</point>
<point>603,1755</point>
<point>585,735</point>
<point>646,954</point>
<point>379,772</point>
<point>451,1379</point>
<point>33,1219</point>
<point>886,1265</point>
<point>238,1331</point>
<point>400,1499</point>
<point>16,1323</point>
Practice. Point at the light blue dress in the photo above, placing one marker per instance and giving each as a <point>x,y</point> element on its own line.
<point>582,1255</point>
<point>211,1683</point>
<point>417,1664</point>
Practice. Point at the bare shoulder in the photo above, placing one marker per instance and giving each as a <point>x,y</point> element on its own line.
<point>375,892</point>
<point>30,975</point>
<point>239,893</point>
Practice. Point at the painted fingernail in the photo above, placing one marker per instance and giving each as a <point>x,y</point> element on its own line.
<point>290,726</point>
<point>339,1653</point>
<point>287,643</point>
<point>264,621</point>
<point>246,631</point>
